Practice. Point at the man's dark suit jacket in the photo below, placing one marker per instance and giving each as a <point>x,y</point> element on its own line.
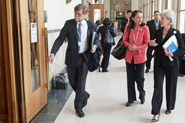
<point>183,36</point>
<point>152,28</point>
<point>123,24</point>
<point>70,31</point>
<point>160,57</point>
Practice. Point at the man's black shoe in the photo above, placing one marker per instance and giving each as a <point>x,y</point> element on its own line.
<point>85,101</point>
<point>80,113</point>
<point>142,101</point>
<point>147,70</point>
<point>129,104</point>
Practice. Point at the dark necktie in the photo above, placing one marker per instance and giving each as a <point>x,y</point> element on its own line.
<point>156,26</point>
<point>79,31</point>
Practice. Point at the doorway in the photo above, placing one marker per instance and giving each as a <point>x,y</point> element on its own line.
<point>96,12</point>
<point>33,56</point>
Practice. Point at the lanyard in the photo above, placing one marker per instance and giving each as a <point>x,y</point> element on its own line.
<point>134,35</point>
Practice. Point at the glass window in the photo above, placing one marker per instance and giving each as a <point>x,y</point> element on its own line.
<point>97,14</point>
<point>34,44</point>
<point>159,5</point>
<point>182,6</point>
<point>182,25</point>
<point>169,4</point>
<point>97,1</point>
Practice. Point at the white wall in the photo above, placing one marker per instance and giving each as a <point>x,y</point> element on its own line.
<point>58,12</point>
<point>134,5</point>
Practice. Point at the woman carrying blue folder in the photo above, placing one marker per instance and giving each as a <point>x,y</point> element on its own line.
<point>163,66</point>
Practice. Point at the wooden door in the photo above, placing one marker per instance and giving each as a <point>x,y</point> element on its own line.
<point>33,54</point>
<point>3,94</point>
<point>8,99</point>
<point>96,12</point>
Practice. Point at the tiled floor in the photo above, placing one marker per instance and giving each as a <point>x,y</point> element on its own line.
<point>56,101</point>
<point>108,97</point>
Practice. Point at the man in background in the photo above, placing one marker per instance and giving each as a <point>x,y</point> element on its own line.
<point>116,27</point>
<point>153,25</point>
<point>124,22</point>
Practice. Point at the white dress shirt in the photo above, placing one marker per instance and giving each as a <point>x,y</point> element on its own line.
<point>83,43</point>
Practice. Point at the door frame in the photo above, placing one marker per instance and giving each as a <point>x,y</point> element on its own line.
<point>7,32</point>
<point>13,20</point>
<point>96,6</point>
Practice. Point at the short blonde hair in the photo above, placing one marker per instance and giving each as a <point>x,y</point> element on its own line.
<point>169,14</point>
<point>81,7</point>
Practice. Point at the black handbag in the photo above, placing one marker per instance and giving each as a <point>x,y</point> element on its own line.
<point>120,50</point>
<point>108,39</point>
<point>93,60</point>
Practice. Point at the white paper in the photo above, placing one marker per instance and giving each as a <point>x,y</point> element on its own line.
<point>33,32</point>
<point>168,42</point>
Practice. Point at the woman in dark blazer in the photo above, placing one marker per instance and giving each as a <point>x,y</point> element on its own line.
<point>106,47</point>
<point>163,66</point>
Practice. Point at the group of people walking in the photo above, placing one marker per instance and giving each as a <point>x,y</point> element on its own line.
<point>136,37</point>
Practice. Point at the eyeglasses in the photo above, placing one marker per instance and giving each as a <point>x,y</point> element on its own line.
<point>79,14</point>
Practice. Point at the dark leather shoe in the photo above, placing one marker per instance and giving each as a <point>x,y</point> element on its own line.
<point>105,71</point>
<point>85,101</point>
<point>147,70</point>
<point>181,75</point>
<point>80,113</point>
<point>129,104</point>
<point>142,101</point>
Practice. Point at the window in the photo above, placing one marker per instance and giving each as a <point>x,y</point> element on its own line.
<point>97,1</point>
<point>182,25</point>
<point>181,16</point>
<point>178,6</point>
<point>159,5</point>
<point>169,4</point>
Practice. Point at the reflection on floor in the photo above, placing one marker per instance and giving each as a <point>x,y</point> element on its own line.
<point>108,97</point>
<point>56,101</point>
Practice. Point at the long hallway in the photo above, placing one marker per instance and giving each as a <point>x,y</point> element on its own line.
<point>108,96</point>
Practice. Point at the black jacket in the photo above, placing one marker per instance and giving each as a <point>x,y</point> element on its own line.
<point>160,57</point>
<point>123,24</point>
<point>183,36</point>
<point>152,28</point>
<point>70,31</point>
<point>102,31</point>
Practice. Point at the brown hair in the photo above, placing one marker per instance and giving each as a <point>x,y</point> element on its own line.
<point>81,7</point>
<point>131,22</point>
<point>98,22</point>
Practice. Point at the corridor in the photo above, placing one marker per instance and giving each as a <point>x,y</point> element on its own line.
<point>108,96</point>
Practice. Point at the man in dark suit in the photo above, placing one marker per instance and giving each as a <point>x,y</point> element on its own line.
<point>124,22</point>
<point>153,25</point>
<point>79,33</point>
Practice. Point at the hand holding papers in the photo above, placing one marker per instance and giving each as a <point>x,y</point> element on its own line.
<point>171,46</point>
